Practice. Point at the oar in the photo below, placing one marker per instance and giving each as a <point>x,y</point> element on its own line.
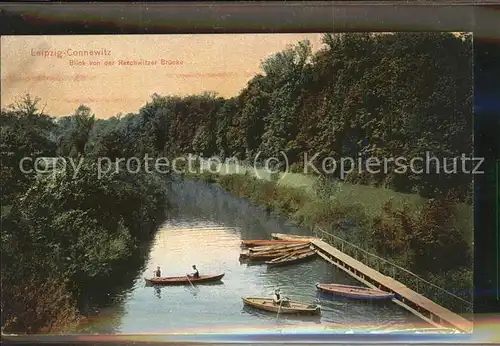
<point>187,276</point>
<point>279,308</point>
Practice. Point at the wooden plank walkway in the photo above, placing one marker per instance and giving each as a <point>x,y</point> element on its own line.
<point>437,314</point>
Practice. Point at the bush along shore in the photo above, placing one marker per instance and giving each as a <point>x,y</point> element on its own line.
<point>71,238</point>
<point>66,241</point>
<point>423,238</point>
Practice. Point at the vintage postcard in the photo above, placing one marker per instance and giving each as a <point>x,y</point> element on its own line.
<point>237,183</point>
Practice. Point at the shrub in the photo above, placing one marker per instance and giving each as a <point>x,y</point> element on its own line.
<point>428,237</point>
<point>37,305</point>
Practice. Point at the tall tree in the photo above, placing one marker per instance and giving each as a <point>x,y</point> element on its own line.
<point>84,120</point>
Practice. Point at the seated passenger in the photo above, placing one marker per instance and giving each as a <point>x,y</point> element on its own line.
<point>195,274</point>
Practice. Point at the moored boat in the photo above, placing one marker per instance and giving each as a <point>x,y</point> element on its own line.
<point>291,307</point>
<point>263,242</point>
<point>274,248</point>
<point>261,256</point>
<point>280,251</point>
<point>292,237</point>
<point>267,256</point>
<point>258,256</point>
<point>355,292</point>
<point>292,258</point>
<point>184,280</point>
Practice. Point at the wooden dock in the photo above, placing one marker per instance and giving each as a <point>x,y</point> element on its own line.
<point>414,302</point>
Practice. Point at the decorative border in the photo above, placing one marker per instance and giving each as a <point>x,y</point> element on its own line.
<point>274,17</point>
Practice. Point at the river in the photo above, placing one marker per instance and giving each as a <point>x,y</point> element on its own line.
<point>206,229</point>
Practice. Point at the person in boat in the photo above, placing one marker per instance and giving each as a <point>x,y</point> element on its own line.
<point>195,274</point>
<point>277,296</point>
<point>278,299</point>
<point>158,272</point>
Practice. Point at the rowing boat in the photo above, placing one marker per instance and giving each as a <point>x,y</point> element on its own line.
<point>260,257</point>
<point>263,242</point>
<point>292,237</point>
<point>282,251</point>
<point>291,307</point>
<point>274,248</point>
<point>183,280</point>
<point>267,256</point>
<point>292,258</point>
<point>355,292</point>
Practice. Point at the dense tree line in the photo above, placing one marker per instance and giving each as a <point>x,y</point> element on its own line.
<point>360,95</point>
<point>66,234</point>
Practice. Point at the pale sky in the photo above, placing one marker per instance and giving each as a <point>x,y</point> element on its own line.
<point>197,63</point>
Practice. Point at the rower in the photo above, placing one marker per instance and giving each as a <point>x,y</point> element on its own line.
<point>158,272</point>
<point>278,300</point>
<point>277,296</point>
<point>195,274</point>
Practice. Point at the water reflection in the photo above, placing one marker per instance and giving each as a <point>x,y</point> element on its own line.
<point>158,292</point>
<point>193,291</point>
<point>284,318</point>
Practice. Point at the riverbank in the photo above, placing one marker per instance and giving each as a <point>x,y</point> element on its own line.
<point>432,238</point>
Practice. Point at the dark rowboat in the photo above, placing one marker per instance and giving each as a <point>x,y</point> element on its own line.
<point>355,292</point>
<point>183,280</point>
<point>292,307</point>
<point>295,257</point>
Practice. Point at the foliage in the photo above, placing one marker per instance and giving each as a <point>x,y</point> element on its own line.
<point>25,134</point>
<point>66,231</point>
<point>358,96</point>
<point>428,237</point>
<point>37,305</point>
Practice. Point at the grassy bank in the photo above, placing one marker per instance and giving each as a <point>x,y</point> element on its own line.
<point>370,199</point>
<point>431,238</point>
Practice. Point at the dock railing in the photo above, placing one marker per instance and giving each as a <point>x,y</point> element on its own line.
<point>429,290</point>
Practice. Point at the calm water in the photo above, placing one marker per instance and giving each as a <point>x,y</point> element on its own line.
<point>207,230</point>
